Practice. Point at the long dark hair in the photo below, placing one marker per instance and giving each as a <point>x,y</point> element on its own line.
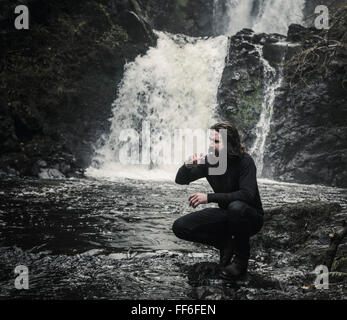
<point>234,145</point>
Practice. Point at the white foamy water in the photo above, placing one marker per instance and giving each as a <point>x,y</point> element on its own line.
<point>269,16</point>
<point>113,171</point>
<point>273,81</point>
<point>174,86</point>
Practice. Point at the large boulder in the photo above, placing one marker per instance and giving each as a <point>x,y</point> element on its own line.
<point>241,91</point>
<point>295,239</point>
<point>308,136</point>
<point>193,18</point>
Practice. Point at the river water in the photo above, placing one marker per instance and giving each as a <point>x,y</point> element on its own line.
<point>96,239</point>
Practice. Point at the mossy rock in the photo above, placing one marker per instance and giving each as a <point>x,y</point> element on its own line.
<point>340,265</point>
<point>335,277</point>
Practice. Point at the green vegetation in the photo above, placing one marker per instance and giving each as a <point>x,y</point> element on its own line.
<point>249,104</point>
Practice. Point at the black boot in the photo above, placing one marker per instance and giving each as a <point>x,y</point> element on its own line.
<point>237,267</point>
<point>226,253</point>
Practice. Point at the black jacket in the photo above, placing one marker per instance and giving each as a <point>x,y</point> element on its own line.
<point>239,182</point>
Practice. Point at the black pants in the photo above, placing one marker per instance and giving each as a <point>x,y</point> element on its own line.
<point>215,226</point>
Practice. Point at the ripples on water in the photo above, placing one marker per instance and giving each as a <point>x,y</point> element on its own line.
<point>100,239</point>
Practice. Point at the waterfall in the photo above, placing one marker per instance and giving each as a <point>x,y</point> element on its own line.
<point>174,86</point>
<point>274,16</point>
<point>272,81</point>
<point>269,16</point>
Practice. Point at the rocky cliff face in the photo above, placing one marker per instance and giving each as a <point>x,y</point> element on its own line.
<point>58,80</point>
<point>240,94</point>
<point>308,140</point>
<point>193,18</point>
<point>308,133</point>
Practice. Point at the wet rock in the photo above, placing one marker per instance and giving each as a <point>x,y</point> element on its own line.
<point>8,139</point>
<point>64,168</point>
<point>337,277</point>
<point>240,92</point>
<point>274,52</point>
<point>312,116</point>
<point>297,33</point>
<point>92,252</point>
<point>292,225</point>
<point>15,163</point>
<point>49,111</point>
<point>300,231</point>
<point>307,141</point>
<point>200,273</point>
<point>207,284</point>
<point>137,28</point>
<point>50,174</point>
<point>213,293</point>
<point>193,18</point>
<point>340,264</point>
<point>41,163</point>
<point>36,168</point>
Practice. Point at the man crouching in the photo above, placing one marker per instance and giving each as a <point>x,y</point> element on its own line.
<point>240,213</point>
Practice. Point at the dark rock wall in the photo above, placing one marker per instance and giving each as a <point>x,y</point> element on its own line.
<point>307,142</point>
<point>190,17</point>
<point>59,78</point>
<point>240,93</point>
